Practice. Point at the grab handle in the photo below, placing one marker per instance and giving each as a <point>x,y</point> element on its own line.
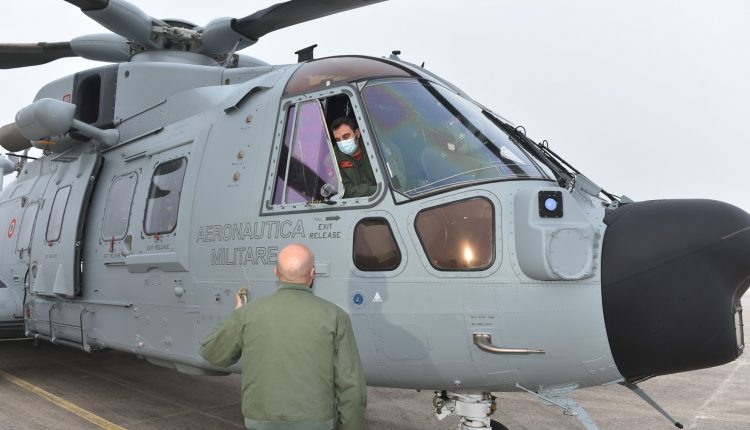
<point>483,341</point>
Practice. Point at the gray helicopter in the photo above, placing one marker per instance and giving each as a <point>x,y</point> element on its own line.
<point>479,262</point>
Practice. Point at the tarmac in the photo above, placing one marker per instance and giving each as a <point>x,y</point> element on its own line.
<point>54,387</point>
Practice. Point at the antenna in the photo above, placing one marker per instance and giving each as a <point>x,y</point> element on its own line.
<point>306,54</point>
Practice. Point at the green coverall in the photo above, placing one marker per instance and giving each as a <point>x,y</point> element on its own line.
<point>356,174</point>
<point>299,362</point>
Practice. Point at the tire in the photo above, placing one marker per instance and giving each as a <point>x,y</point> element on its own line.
<point>494,425</point>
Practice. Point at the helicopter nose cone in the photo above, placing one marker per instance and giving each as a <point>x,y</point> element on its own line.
<point>673,273</point>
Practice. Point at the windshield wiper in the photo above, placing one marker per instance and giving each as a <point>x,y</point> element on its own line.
<point>563,176</point>
<point>466,181</point>
<point>422,191</point>
<point>564,171</point>
<point>544,147</point>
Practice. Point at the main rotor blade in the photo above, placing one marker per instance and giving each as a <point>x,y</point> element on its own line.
<point>89,4</point>
<point>119,17</point>
<point>13,55</point>
<point>290,13</point>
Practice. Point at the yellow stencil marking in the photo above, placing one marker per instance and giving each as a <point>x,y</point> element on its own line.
<point>86,415</point>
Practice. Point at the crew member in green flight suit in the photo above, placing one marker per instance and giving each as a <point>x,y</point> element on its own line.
<point>300,365</point>
<point>356,172</point>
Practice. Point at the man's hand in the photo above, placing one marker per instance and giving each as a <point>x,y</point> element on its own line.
<point>240,298</point>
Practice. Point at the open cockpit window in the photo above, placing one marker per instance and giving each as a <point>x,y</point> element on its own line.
<point>323,156</point>
<point>433,139</point>
<point>306,171</point>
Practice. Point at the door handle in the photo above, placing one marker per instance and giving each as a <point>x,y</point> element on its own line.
<point>483,341</point>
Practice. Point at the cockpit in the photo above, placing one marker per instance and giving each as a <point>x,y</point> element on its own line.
<point>419,136</point>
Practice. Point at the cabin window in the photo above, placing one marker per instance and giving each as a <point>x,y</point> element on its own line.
<point>119,202</point>
<point>54,226</point>
<point>306,160</point>
<point>374,245</point>
<point>27,226</point>
<point>164,197</point>
<point>458,235</point>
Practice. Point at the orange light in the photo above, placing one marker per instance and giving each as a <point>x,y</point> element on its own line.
<point>468,254</point>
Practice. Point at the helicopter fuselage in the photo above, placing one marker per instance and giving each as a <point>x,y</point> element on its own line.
<point>143,245</point>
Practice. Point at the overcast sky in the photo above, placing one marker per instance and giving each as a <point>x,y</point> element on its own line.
<point>648,98</point>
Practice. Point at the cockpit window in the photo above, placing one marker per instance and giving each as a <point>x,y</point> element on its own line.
<point>432,139</point>
<point>375,248</point>
<point>458,235</point>
<point>306,162</point>
<point>326,72</point>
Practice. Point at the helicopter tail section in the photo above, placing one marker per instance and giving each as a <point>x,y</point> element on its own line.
<point>673,274</point>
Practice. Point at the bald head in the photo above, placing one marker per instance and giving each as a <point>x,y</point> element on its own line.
<point>295,265</point>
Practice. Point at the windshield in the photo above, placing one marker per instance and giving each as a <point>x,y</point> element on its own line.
<point>432,138</point>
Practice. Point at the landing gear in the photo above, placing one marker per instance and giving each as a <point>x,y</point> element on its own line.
<point>473,409</point>
<point>494,425</point>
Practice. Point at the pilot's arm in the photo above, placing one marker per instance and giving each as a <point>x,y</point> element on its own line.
<point>357,178</point>
<point>223,347</point>
<point>360,190</point>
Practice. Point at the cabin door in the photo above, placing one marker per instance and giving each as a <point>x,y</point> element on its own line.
<point>55,254</point>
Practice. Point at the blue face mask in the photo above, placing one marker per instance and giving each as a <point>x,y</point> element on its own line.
<point>347,146</point>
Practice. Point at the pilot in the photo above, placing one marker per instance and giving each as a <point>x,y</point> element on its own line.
<point>356,172</point>
<point>299,359</point>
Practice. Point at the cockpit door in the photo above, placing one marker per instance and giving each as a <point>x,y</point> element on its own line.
<point>55,254</point>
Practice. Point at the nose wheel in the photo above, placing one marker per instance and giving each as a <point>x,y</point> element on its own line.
<point>474,409</point>
<point>494,425</point>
